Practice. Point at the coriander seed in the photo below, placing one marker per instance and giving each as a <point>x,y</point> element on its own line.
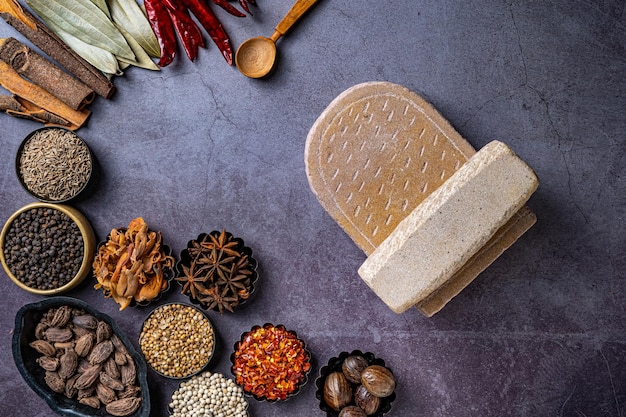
<point>177,340</point>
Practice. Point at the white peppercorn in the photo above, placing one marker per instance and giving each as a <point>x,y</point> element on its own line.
<point>208,395</point>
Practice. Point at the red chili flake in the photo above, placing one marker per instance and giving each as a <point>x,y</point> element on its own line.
<point>270,362</point>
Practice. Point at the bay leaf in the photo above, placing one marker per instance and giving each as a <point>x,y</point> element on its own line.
<point>142,59</point>
<point>83,20</point>
<point>105,61</point>
<point>128,14</point>
<point>102,5</point>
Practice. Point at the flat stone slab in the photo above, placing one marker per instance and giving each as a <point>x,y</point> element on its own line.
<point>449,227</point>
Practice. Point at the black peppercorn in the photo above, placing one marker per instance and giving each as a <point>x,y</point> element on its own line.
<point>37,243</point>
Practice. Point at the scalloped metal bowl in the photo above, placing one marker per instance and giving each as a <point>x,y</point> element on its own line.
<point>33,193</point>
<point>25,358</point>
<point>185,260</point>
<point>89,240</point>
<point>298,387</point>
<point>334,365</point>
<point>212,350</point>
<point>168,273</point>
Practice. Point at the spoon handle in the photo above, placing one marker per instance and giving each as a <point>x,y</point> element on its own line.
<point>297,10</point>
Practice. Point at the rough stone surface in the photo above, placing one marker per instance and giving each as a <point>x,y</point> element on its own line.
<point>453,223</point>
<point>197,147</point>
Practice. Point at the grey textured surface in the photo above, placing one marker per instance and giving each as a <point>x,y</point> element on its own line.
<point>198,147</point>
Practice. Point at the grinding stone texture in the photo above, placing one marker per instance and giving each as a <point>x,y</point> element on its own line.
<point>449,227</point>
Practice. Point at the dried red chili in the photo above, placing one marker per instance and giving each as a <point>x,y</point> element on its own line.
<point>212,25</point>
<point>163,29</point>
<point>270,362</point>
<point>224,4</point>
<point>188,32</point>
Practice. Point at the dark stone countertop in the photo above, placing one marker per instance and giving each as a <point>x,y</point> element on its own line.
<point>198,147</point>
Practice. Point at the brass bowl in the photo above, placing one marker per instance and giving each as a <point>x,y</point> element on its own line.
<point>89,241</point>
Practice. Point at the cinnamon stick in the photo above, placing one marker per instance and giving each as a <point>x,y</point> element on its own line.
<point>17,85</point>
<point>18,107</point>
<point>55,48</point>
<point>45,74</point>
<point>9,103</point>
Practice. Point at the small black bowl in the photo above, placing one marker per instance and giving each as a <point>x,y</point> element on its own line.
<point>47,199</point>
<point>184,305</point>
<point>25,358</point>
<point>168,273</point>
<point>293,335</point>
<point>186,259</point>
<point>334,365</point>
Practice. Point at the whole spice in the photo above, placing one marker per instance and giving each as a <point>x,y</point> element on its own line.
<point>352,367</point>
<point>43,248</point>
<point>187,30</point>
<point>42,37</point>
<point>123,407</point>
<point>224,4</point>
<point>131,264</point>
<point>45,74</point>
<point>378,380</point>
<point>91,382</point>
<point>364,399</point>
<point>219,273</point>
<point>177,340</point>
<point>270,362</point>
<point>352,411</point>
<point>163,28</point>
<point>13,82</point>
<point>212,25</point>
<point>337,391</point>
<point>18,107</point>
<point>208,394</point>
<point>55,164</point>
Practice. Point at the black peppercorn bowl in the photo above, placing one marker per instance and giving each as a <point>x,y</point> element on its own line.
<point>88,240</point>
<point>193,257</point>
<point>66,168</point>
<point>177,328</point>
<point>335,365</point>
<point>297,365</point>
<point>25,358</point>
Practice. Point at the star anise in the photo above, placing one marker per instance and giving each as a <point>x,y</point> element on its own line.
<point>193,280</point>
<point>221,272</point>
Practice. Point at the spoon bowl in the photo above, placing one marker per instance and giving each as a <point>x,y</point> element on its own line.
<point>255,57</point>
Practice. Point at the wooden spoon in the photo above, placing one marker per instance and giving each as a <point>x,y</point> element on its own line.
<point>255,57</point>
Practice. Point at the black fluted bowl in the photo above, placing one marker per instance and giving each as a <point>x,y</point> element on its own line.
<point>25,358</point>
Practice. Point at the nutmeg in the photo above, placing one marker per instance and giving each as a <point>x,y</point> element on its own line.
<point>352,367</point>
<point>366,400</point>
<point>352,411</point>
<point>378,380</point>
<point>337,391</point>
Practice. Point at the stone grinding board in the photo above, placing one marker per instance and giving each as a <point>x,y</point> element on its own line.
<point>374,154</point>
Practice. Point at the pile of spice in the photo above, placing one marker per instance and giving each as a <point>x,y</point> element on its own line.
<point>208,394</point>
<point>356,385</point>
<point>85,360</point>
<point>217,270</point>
<point>270,362</point>
<point>177,340</point>
<point>55,164</point>
<point>43,248</point>
<point>131,264</point>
